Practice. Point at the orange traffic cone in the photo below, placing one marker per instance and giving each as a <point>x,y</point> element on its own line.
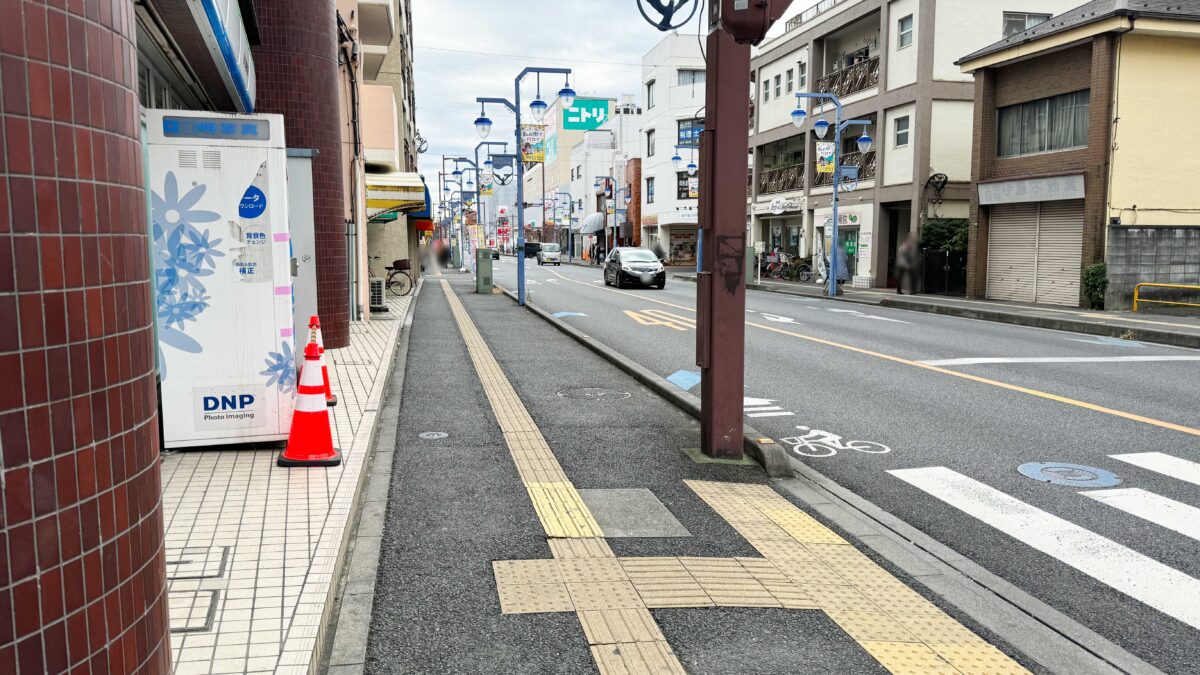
<point>314,327</point>
<point>310,441</point>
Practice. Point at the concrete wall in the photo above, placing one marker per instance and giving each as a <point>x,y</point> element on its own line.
<point>777,112</point>
<point>1165,255</point>
<point>380,126</point>
<point>660,64</point>
<point>1156,74</point>
<point>902,63</point>
<point>950,134</point>
<point>965,27</point>
<point>898,161</point>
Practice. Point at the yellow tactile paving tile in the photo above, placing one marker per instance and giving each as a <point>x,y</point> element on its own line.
<point>637,658</point>
<point>870,626</point>
<point>605,595</point>
<point>979,659</point>
<point>664,582</point>
<point>908,658</point>
<point>562,511</point>
<point>513,572</point>
<point>583,547</point>
<point>611,626</point>
<point>840,597</point>
<point>534,598</point>
<point>586,570</point>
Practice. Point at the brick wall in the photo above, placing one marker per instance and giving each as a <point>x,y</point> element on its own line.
<point>1086,66</point>
<point>297,76</point>
<point>82,573</point>
<point>633,213</point>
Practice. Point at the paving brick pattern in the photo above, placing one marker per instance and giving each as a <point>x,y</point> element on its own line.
<point>252,548</point>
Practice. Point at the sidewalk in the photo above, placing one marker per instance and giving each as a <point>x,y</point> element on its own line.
<point>1180,331</point>
<point>253,549</point>
<point>546,515</point>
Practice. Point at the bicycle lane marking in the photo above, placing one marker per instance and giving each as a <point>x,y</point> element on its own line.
<point>937,369</point>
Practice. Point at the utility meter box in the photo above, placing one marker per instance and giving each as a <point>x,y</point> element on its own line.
<point>483,270</point>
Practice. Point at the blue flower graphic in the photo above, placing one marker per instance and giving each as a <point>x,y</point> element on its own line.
<point>281,368</point>
<point>183,256</point>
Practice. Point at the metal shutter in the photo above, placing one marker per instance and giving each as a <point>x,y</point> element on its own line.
<point>1059,252</point>
<point>1012,254</point>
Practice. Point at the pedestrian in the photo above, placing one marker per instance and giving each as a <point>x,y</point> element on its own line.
<point>906,264</point>
<point>843,266</point>
<point>659,252</point>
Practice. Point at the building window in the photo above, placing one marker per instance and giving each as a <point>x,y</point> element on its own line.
<point>649,190</point>
<point>901,132</point>
<point>791,80</point>
<point>766,89</point>
<point>1045,125</point>
<point>650,143</point>
<point>689,132</point>
<point>650,94</point>
<point>802,70</point>
<point>904,31</point>
<point>687,187</point>
<point>690,77</point>
<point>778,86</point>
<point>1016,22</point>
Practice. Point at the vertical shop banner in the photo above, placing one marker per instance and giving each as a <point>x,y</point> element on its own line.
<point>533,143</point>
<point>487,184</point>
<point>825,157</point>
<point>586,114</point>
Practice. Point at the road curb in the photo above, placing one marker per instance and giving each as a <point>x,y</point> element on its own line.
<point>997,316</point>
<point>1051,323</point>
<point>763,450</point>
<point>344,649</point>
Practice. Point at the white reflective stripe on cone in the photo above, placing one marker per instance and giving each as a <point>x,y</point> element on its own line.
<point>311,375</point>
<point>311,403</point>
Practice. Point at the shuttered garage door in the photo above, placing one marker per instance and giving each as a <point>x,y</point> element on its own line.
<point>1035,251</point>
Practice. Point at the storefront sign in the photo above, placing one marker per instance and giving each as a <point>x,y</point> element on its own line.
<point>685,217</point>
<point>689,133</point>
<point>846,218</point>
<point>586,114</point>
<point>779,206</point>
<point>533,143</point>
<point>650,220</point>
<point>1045,189</point>
<point>864,245</point>
<point>825,157</point>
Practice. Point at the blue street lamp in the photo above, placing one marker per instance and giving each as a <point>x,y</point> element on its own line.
<point>821,128</point>
<point>514,106</point>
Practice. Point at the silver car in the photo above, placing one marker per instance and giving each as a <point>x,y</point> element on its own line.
<point>550,254</point>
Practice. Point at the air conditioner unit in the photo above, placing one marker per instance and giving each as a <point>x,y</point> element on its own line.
<point>376,290</point>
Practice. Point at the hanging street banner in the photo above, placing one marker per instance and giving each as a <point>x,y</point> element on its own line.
<point>487,184</point>
<point>689,133</point>
<point>824,157</point>
<point>533,143</point>
<point>586,114</point>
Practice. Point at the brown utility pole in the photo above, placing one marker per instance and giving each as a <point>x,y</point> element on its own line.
<point>734,25</point>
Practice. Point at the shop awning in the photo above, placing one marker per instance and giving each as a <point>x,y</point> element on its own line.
<point>389,194</point>
<point>593,223</point>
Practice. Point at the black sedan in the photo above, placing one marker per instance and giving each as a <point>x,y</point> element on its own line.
<point>634,266</point>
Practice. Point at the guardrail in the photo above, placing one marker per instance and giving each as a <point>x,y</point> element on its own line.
<point>1137,290</point>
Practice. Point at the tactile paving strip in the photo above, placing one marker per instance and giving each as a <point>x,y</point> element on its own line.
<point>978,659</point>
<point>581,547</point>
<point>610,626</point>
<point>512,572</point>
<point>534,598</point>
<point>605,595</point>
<point>637,658</point>
<point>585,570</point>
<point>908,657</point>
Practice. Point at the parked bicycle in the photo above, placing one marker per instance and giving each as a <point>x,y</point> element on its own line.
<point>399,282</point>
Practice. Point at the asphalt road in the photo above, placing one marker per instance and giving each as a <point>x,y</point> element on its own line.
<point>949,432</point>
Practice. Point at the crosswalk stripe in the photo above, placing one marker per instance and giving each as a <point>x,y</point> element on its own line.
<point>1165,464</point>
<point>783,413</point>
<point>762,408</point>
<point>1164,588</point>
<point>1168,513</point>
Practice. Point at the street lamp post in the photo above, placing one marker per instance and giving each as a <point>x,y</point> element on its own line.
<point>570,219</point>
<point>600,190</point>
<point>537,108</point>
<point>821,127</point>
<point>487,165</point>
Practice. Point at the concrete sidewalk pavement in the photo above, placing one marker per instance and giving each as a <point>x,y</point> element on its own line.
<point>1178,331</point>
<point>546,515</point>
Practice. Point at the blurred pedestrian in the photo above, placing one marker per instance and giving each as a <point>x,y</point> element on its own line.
<point>906,264</point>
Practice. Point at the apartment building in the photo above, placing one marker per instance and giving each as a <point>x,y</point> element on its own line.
<point>892,63</point>
<point>672,118</point>
<point>1068,158</point>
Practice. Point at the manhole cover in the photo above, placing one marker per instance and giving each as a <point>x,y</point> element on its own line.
<point>430,435</point>
<point>593,393</point>
<point>1073,475</point>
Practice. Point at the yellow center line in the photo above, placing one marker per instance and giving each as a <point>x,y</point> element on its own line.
<point>924,366</point>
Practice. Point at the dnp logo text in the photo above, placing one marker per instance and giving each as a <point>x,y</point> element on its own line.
<point>233,407</point>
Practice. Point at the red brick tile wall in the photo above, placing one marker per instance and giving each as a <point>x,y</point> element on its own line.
<point>1086,66</point>
<point>633,213</point>
<point>297,76</point>
<point>82,575</point>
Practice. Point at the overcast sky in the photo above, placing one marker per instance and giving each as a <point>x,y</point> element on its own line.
<point>469,48</point>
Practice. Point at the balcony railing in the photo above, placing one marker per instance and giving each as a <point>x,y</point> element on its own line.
<point>811,13</point>
<point>851,80</point>
<point>865,161</point>
<point>783,179</point>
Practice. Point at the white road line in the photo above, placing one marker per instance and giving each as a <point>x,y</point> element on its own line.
<point>770,414</point>
<point>1164,588</point>
<point>1165,464</point>
<point>1056,359</point>
<point>1168,513</point>
<point>763,408</point>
